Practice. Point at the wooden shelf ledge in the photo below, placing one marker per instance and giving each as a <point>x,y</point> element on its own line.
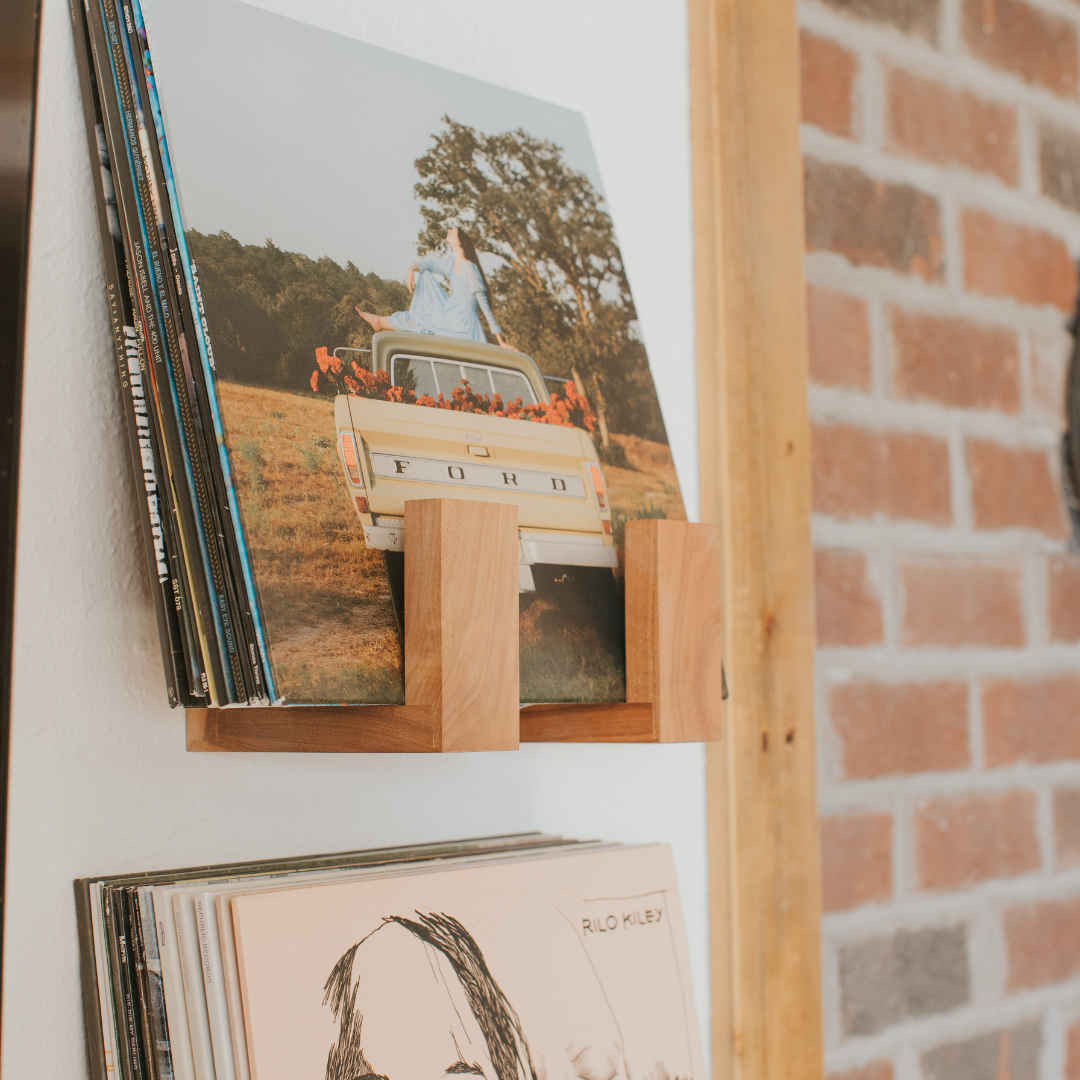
<point>461,651</point>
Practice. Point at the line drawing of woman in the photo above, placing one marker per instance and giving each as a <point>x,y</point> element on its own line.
<point>421,1027</point>
<point>432,310</point>
<point>416,1000</point>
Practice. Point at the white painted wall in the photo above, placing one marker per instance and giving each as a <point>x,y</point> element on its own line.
<point>100,780</point>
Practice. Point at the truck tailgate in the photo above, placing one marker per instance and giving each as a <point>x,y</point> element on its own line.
<point>414,452</point>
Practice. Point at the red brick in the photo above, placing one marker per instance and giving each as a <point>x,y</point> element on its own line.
<point>1039,47</point>
<point>1003,259</point>
<point>1059,164</point>
<point>1012,486</point>
<point>962,841</point>
<point>937,123</point>
<point>828,73</point>
<point>1067,826</point>
<point>1043,942</point>
<point>1072,1052</point>
<point>1063,588</point>
<point>872,222</point>
<point>848,612</point>
<point>955,361</point>
<point>955,602</point>
<point>878,1070</point>
<point>1049,363</point>
<point>856,860</point>
<point>859,473</point>
<point>839,338</point>
<point>889,729</point>
<point>912,16</point>
<point>1031,719</point>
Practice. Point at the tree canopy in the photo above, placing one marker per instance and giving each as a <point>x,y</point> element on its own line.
<point>269,309</point>
<point>560,290</point>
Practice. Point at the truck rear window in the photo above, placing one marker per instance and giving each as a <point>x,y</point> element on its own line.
<point>424,375</point>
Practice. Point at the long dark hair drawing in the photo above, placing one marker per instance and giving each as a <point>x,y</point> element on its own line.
<point>499,1023</point>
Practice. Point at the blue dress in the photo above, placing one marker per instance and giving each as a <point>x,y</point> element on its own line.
<point>432,311</point>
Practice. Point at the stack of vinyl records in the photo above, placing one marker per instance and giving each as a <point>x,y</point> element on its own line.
<point>444,314</point>
<point>207,615</point>
<point>523,957</point>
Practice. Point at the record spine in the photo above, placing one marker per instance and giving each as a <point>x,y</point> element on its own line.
<point>140,441</point>
<point>88,978</point>
<point>155,1031</point>
<point>187,937</point>
<point>214,986</point>
<point>191,452</point>
<point>150,332</point>
<point>249,662</point>
<point>206,355</point>
<point>123,997</point>
<point>159,1023</point>
<point>140,987</point>
<point>172,984</point>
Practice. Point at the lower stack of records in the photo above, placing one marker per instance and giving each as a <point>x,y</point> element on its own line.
<point>523,957</point>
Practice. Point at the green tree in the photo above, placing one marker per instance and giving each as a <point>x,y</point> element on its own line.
<point>561,289</point>
<point>269,309</point>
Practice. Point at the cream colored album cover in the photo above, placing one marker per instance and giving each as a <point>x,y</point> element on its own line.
<point>561,968</point>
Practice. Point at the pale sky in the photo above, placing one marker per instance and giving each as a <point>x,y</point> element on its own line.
<point>279,129</point>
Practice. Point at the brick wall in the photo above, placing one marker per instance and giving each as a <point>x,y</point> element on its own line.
<point>942,156</point>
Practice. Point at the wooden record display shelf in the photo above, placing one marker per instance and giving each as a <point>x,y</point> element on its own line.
<point>461,651</point>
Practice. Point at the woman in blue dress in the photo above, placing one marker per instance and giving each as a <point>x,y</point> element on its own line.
<point>432,310</point>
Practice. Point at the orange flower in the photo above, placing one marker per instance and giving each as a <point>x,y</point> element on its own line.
<point>322,359</point>
<point>315,381</point>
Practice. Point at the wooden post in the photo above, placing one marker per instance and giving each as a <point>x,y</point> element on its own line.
<point>765,891</point>
<point>461,653</point>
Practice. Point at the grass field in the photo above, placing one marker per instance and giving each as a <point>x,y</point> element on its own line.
<point>325,597</point>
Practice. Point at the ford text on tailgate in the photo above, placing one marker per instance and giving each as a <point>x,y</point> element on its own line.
<point>392,452</point>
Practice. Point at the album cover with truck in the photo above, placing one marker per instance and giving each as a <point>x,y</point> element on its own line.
<point>393,282</point>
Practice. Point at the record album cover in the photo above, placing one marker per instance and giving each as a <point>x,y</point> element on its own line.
<point>569,968</point>
<point>408,286</point>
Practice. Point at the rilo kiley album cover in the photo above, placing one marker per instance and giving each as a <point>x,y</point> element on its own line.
<point>408,286</point>
<point>569,968</point>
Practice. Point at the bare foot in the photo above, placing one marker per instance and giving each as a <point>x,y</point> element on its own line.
<point>377,322</point>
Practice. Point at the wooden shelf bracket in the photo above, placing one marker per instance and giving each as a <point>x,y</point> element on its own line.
<point>674,630</point>
<point>461,653</point>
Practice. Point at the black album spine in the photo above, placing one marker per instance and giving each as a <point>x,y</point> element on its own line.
<point>144,1004</point>
<point>152,336</point>
<point>142,444</point>
<point>127,1048</point>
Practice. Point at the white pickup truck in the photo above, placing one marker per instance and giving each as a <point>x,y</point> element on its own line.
<point>391,452</point>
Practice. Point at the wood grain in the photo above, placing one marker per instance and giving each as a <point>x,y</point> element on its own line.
<point>765,900</point>
<point>587,722</point>
<point>461,620</point>
<point>461,653</point>
<point>314,729</point>
<point>674,627</point>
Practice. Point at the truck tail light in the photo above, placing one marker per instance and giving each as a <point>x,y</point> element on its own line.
<point>598,485</point>
<point>348,455</point>
<point>607,527</point>
<point>361,504</point>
